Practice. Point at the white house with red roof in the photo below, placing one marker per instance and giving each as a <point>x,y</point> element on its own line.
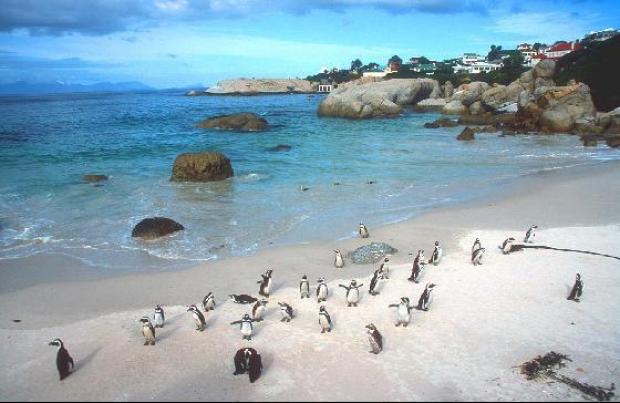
<point>560,49</point>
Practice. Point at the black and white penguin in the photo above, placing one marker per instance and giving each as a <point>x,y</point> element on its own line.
<point>259,309</point>
<point>321,290</point>
<point>353,292</point>
<point>384,269</point>
<point>208,302</point>
<point>575,293</point>
<point>363,231</point>
<point>286,311</point>
<point>426,298</point>
<point>148,331</point>
<point>529,235</point>
<point>265,283</point>
<point>248,360</point>
<point>476,245</point>
<point>242,299</point>
<point>417,267</point>
<point>476,256</point>
<point>158,316</point>
<point>246,327</point>
<point>338,260</point>
<point>199,319</point>
<point>324,320</point>
<point>375,339</point>
<point>403,312</point>
<point>506,246</point>
<point>304,287</point>
<point>437,254</point>
<point>374,283</point>
<point>64,362</point>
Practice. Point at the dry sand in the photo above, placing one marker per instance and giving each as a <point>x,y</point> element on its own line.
<point>484,320</point>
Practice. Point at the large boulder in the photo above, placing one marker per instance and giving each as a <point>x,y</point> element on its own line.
<point>430,104</point>
<point>371,253</point>
<point>455,107</point>
<point>245,122</point>
<point>448,89</point>
<point>245,86</point>
<point>470,93</point>
<point>156,227</point>
<point>377,99</point>
<point>544,69</point>
<point>562,106</point>
<point>500,95</point>
<point>201,167</point>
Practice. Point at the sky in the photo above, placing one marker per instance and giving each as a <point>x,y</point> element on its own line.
<point>180,43</point>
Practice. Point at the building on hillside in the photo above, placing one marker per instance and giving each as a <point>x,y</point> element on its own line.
<point>426,68</point>
<point>526,50</point>
<point>599,36</point>
<point>375,73</point>
<point>394,66</point>
<point>534,60</point>
<point>469,58</point>
<point>560,49</point>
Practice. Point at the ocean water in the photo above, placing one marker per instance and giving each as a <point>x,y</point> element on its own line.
<point>387,169</point>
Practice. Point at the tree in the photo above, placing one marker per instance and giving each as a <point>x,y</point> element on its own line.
<point>356,65</point>
<point>495,53</point>
<point>423,60</point>
<point>395,59</point>
<point>370,67</point>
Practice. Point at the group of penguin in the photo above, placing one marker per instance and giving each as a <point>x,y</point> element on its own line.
<point>248,360</point>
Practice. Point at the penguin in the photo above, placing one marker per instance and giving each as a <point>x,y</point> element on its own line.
<point>375,339</point>
<point>418,267</point>
<point>248,360</point>
<point>324,320</point>
<point>148,331</point>
<point>507,245</point>
<point>437,254</point>
<point>403,311</point>
<point>208,302</point>
<point>265,284</point>
<point>286,311</point>
<point>199,319</point>
<point>304,287</point>
<point>158,317</point>
<point>353,292</point>
<point>476,256</point>
<point>477,245</point>
<point>242,299</point>
<point>246,327</point>
<point>374,282</point>
<point>64,362</point>
<point>338,261</point>
<point>575,293</point>
<point>384,269</point>
<point>426,298</point>
<point>363,231</point>
<point>529,235</point>
<point>321,290</point>
<point>258,310</point>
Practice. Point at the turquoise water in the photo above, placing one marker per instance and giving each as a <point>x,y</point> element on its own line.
<point>47,143</point>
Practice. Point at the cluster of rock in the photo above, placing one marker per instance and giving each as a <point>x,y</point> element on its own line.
<point>245,86</point>
<point>371,253</point>
<point>245,122</point>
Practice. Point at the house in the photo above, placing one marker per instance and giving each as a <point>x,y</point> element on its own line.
<point>469,58</point>
<point>599,36</point>
<point>394,66</point>
<point>478,67</point>
<point>427,68</point>
<point>526,50</point>
<point>534,60</point>
<point>375,73</point>
<point>561,48</point>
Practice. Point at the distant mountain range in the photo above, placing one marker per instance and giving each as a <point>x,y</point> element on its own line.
<point>24,87</point>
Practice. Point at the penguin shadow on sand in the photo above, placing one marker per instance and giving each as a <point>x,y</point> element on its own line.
<point>84,361</point>
<point>165,332</point>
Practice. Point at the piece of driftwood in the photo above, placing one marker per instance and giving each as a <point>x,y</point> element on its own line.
<point>516,248</point>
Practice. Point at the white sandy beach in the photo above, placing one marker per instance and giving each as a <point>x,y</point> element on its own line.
<point>484,321</point>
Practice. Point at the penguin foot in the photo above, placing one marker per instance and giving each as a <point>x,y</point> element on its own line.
<point>398,324</point>
<point>355,305</point>
<point>405,324</point>
<point>323,331</point>
<point>329,330</point>
<point>146,343</point>
<point>349,305</point>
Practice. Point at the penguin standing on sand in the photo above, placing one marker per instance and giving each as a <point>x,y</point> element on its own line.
<point>338,261</point>
<point>384,269</point>
<point>363,231</point>
<point>403,312</point>
<point>374,282</point>
<point>353,292</point>
<point>375,339</point>
<point>259,309</point>
<point>199,318</point>
<point>208,302</point>
<point>148,331</point>
<point>507,245</point>
<point>64,362</point>
<point>426,298</point>
<point>265,283</point>
<point>247,329</point>
<point>321,290</point>
<point>304,287</point>
<point>476,245</point>
<point>158,317</point>
<point>575,293</point>
<point>418,267</point>
<point>529,235</point>
<point>324,320</point>
<point>248,360</point>
<point>286,311</point>
<point>437,254</point>
<point>476,256</point>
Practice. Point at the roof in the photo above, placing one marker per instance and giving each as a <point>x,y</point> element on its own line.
<point>561,47</point>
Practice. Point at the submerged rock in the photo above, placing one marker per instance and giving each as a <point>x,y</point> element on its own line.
<point>155,227</point>
<point>245,122</point>
<point>94,178</point>
<point>371,253</point>
<point>280,147</point>
<point>201,167</point>
<point>466,134</point>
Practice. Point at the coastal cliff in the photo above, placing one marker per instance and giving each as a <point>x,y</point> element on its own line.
<point>244,86</point>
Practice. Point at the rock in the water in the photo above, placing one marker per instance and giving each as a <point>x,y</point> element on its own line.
<point>613,141</point>
<point>280,147</point>
<point>156,227</point>
<point>430,104</point>
<point>94,178</point>
<point>589,141</point>
<point>201,167</point>
<point>455,107</point>
<point>245,122</point>
<point>431,125</point>
<point>371,253</point>
<point>466,134</point>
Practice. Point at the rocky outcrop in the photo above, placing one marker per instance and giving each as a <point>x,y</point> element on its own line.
<point>94,178</point>
<point>377,99</point>
<point>442,122</point>
<point>156,227</point>
<point>448,90</point>
<point>430,104</point>
<point>470,93</point>
<point>245,122</point>
<point>467,134</point>
<point>201,167</point>
<point>371,253</point>
<point>455,107</point>
<point>245,86</point>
